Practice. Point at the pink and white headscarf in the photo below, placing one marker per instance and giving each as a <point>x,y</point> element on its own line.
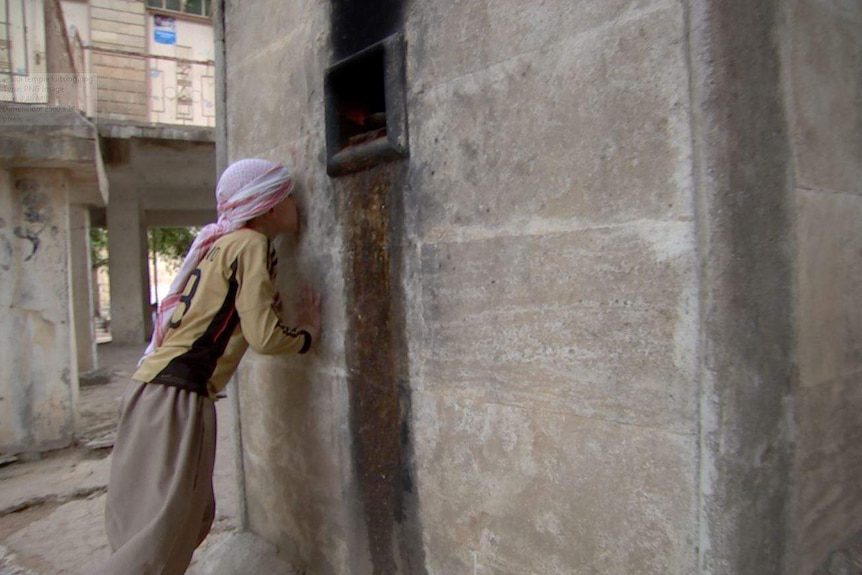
<point>247,189</point>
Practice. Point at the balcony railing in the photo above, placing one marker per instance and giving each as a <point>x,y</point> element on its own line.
<point>182,91</point>
<point>39,63</point>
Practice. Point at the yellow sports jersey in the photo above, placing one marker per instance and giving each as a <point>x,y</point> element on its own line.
<point>225,308</point>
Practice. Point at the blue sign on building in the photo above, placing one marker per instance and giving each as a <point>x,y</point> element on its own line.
<point>164,29</point>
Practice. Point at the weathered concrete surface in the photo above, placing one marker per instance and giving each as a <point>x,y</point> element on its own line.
<point>609,146</point>
<point>38,367</point>
<point>579,206</point>
<point>58,478</point>
<point>239,554</point>
<point>52,509</point>
<point>127,249</point>
<point>300,486</point>
<point>745,238</point>
<point>552,312</point>
<point>125,130</point>
<point>619,318</point>
<point>844,560</point>
<point>549,322</point>
<point>42,137</point>
<point>49,160</point>
<point>299,489</point>
<point>824,71</point>
<point>375,354</point>
<point>82,291</point>
<point>509,489</point>
<point>825,46</point>
<point>829,430</point>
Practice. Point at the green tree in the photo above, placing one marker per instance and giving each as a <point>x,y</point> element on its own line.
<point>169,244</point>
<point>98,247</point>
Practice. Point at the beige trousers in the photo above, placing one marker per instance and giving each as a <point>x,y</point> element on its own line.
<point>160,503</point>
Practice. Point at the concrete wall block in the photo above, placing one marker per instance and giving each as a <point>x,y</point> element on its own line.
<point>449,40</point>
<point>130,6</point>
<point>123,73</point>
<point>117,16</point>
<point>266,116</point>
<point>124,29</point>
<point>118,41</point>
<point>122,112</point>
<point>829,464</point>
<point>111,97</point>
<point>104,71</point>
<point>509,490</point>
<point>119,112</point>
<point>829,431</point>
<point>826,72</point>
<point>830,281</point>
<point>109,84</point>
<point>126,102</point>
<point>613,146</point>
<point>615,343</point>
<point>260,27</point>
<point>297,487</point>
<point>102,61</point>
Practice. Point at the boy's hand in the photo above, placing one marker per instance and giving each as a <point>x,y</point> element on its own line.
<point>308,311</point>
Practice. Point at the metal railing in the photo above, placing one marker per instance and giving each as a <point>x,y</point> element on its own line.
<point>39,63</point>
<point>182,91</point>
<point>178,90</point>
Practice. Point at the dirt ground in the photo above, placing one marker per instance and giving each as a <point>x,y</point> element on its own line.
<point>51,506</point>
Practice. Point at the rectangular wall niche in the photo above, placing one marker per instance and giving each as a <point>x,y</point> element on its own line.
<point>366,113</point>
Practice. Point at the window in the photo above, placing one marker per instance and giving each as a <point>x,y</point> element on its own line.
<point>366,114</point>
<point>196,7</point>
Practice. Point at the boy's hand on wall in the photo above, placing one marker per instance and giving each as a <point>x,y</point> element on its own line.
<point>308,311</point>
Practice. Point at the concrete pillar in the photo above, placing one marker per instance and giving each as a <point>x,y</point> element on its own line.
<point>38,367</point>
<point>82,289</point>
<point>127,249</point>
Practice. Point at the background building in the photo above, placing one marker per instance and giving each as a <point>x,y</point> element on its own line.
<point>97,96</point>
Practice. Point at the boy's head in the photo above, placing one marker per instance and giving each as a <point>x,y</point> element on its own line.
<point>253,188</point>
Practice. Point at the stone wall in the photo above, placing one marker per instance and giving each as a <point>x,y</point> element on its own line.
<point>603,291</point>
<point>549,278</point>
<point>552,287</point>
<point>824,79</point>
<point>301,488</point>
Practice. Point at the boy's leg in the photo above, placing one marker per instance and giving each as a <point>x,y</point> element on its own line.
<point>161,480</point>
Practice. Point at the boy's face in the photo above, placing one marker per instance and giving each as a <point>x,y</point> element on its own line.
<point>285,216</point>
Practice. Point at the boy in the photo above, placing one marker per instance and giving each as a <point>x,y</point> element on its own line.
<point>160,503</point>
